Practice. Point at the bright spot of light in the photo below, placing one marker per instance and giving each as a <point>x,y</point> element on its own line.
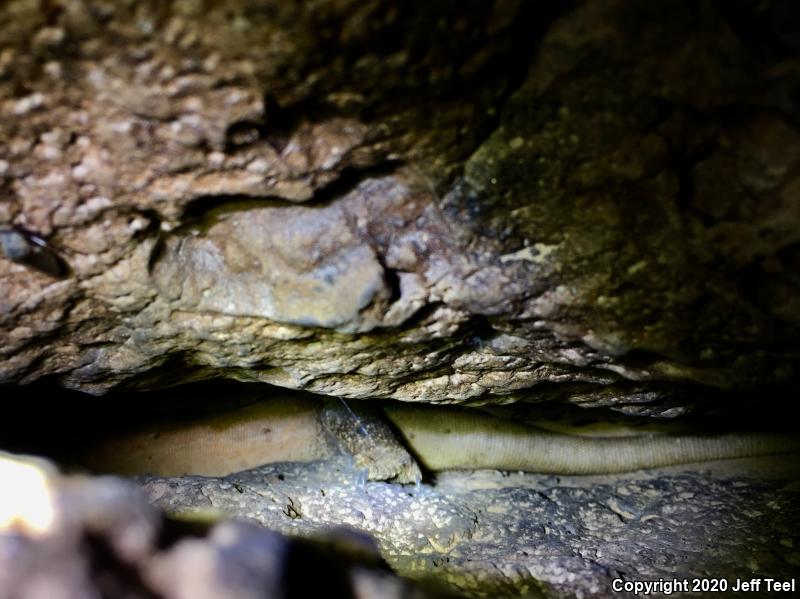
<point>26,499</point>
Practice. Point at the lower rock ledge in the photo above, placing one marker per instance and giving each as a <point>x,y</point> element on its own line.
<point>494,534</point>
<point>79,537</point>
<point>476,533</point>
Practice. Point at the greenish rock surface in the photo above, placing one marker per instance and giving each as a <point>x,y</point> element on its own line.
<point>439,202</point>
<point>453,202</point>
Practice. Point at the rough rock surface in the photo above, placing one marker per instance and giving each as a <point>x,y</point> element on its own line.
<point>490,534</point>
<point>450,201</point>
<point>77,537</point>
<point>438,201</point>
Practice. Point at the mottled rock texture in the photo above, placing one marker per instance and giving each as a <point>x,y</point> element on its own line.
<point>508,535</point>
<point>437,201</point>
<point>73,537</point>
<point>442,201</point>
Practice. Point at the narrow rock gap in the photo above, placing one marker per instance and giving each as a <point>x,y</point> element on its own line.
<point>205,210</point>
<point>62,420</point>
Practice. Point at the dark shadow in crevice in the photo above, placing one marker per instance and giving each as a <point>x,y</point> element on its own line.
<point>112,576</point>
<point>392,281</point>
<point>770,29</point>
<point>424,313</point>
<point>331,572</point>
<point>480,331</point>
<point>530,26</point>
<point>204,211</point>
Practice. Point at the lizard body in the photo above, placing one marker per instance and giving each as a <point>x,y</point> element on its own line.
<point>439,438</point>
<point>450,439</point>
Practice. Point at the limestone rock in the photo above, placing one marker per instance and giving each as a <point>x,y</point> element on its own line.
<point>425,201</point>
<point>492,534</point>
<point>75,537</point>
